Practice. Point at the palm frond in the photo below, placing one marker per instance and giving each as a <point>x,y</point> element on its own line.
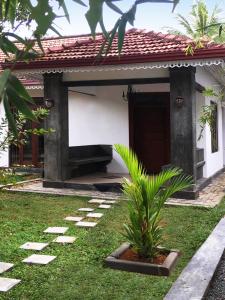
<point>134,167</point>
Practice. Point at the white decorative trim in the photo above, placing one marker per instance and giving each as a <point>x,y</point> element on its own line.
<point>138,66</point>
<point>34,87</point>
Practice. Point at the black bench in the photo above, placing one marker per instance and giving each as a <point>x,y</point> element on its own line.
<point>84,160</point>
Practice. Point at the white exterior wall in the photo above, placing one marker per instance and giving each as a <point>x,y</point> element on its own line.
<point>214,161</point>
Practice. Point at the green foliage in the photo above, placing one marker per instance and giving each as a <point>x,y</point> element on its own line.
<point>8,137</point>
<point>209,92</point>
<point>7,176</point>
<point>207,116</point>
<point>147,195</point>
<point>201,24</point>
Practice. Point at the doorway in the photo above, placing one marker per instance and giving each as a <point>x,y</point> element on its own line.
<point>149,126</point>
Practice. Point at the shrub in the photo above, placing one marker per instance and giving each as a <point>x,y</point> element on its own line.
<point>147,195</point>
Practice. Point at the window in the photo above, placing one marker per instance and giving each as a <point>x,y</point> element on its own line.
<point>214,127</point>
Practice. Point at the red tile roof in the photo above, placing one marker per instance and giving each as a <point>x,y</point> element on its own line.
<point>139,46</point>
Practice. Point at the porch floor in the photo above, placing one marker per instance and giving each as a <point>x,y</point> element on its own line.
<point>98,178</point>
<point>102,182</point>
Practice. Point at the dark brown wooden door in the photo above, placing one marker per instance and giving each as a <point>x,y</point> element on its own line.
<point>150,129</point>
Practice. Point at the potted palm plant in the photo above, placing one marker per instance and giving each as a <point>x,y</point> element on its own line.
<point>146,197</point>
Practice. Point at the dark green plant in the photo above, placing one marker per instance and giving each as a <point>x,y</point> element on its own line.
<point>147,195</point>
<point>208,113</point>
<point>207,117</point>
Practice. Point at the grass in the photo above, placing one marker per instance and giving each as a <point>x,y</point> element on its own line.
<point>11,178</point>
<point>8,177</point>
<point>78,272</point>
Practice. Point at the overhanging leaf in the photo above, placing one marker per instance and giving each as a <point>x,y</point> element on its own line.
<point>94,14</point>
<point>114,7</point>
<point>20,104</point>
<point>3,81</point>
<point>44,11</point>
<point>20,89</point>
<point>9,115</point>
<point>63,5</point>
<point>80,2</point>
<point>121,33</point>
<point>130,15</point>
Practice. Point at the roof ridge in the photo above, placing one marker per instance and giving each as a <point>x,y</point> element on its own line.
<point>171,37</point>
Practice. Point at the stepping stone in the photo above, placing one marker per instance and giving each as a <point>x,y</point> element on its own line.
<point>109,202</point>
<point>39,259</point>
<point>34,246</point>
<point>56,230</point>
<point>94,215</point>
<point>5,267</point>
<point>86,209</point>
<point>86,224</point>
<point>64,239</point>
<point>104,206</point>
<point>73,219</point>
<point>7,283</point>
<point>98,201</point>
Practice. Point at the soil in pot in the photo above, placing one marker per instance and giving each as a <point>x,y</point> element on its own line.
<point>131,255</point>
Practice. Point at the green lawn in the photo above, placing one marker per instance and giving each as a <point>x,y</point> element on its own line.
<point>78,272</point>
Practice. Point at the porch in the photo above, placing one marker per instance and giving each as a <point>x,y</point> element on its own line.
<point>157,120</point>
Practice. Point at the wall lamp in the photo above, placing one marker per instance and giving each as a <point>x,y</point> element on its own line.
<point>49,103</point>
<point>179,101</point>
<point>130,90</point>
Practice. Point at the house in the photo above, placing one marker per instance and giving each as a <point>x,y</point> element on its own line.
<point>149,98</point>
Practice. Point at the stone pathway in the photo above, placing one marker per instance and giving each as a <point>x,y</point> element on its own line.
<point>86,209</point>
<point>86,224</point>
<point>104,206</point>
<point>34,246</point>
<point>73,219</point>
<point>39,259</point>
<point>96,201</point>
<point>5,267</point>
<point>94,215</point>
<point>56,230</point>
<point>65,239</point>
<point>209,197</point>
<point>7,284</point>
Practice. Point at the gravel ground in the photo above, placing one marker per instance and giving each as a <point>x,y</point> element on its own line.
<point>217,287</point>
